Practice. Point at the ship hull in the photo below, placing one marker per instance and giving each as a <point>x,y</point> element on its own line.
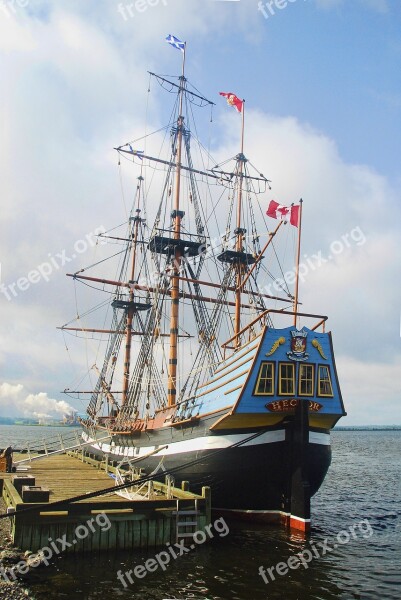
<point>252,479</point>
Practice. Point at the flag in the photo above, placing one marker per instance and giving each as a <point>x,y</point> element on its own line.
<point>233,100</point>
<point>294,219</point>
<point>136,152</point>
<point>277,211</point>
<point>175,42</point>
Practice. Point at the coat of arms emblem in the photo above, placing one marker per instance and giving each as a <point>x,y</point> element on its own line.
<point>298,345</point>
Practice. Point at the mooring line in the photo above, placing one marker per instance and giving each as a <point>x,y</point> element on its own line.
<point>59,503</point>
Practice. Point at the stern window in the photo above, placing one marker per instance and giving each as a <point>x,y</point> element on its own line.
<point>306,377</point>
<point>324,382</point>
<point>265,381</point>
<point>286,379</point>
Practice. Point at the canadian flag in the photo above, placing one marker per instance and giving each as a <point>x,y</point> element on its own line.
<point>277,211</point>
<point>233,100</point>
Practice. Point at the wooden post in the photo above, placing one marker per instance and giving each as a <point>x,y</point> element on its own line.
<point>207,494</point>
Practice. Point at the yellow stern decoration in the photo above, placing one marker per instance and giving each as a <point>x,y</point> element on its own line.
<point>317,345</point>
<point>276,344</point>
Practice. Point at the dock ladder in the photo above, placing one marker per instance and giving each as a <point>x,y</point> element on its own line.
<point>187,523</point>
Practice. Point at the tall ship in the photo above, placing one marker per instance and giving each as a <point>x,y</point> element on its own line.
<point>200,368</point>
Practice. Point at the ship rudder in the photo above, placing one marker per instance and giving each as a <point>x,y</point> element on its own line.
<point>299,485</point>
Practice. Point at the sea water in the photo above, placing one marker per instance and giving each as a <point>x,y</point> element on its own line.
<point>353,551</point>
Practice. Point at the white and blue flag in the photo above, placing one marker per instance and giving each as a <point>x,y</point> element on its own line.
<point>175,42</point>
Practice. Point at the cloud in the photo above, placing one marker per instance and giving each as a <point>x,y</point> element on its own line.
<point>371,392</point>
<point>351,217</point>
<point>15,401</point>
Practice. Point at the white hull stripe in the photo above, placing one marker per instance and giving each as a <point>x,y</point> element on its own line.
<point>209,442</point>
<point>294,518</point>
<point>319,438</point>
<point>263,512</point>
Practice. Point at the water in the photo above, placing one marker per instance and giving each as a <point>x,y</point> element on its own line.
<point>362,491</point>
<point>18,435</point>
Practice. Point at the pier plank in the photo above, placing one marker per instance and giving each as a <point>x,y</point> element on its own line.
<point>140,523</point>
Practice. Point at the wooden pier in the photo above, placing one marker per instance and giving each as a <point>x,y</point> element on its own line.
<point>169,512</point>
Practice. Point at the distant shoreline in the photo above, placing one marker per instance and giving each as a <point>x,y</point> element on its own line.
<point>368,428</point>
<point>38,424</point>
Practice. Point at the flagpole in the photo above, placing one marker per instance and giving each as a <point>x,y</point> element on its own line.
<point>243,126</point>
<point>183,58</point>
<point>297,263</point>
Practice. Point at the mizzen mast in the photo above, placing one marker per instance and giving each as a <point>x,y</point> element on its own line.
<point>242,262</point>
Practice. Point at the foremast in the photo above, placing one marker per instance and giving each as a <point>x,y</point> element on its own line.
<point>131,305</point>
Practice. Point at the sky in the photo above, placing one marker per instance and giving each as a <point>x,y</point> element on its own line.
<point>321,80</point>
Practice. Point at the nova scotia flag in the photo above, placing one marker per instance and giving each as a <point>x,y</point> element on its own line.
<point>175,42</point>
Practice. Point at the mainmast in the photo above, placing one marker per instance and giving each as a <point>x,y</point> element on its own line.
<point>177,216</point>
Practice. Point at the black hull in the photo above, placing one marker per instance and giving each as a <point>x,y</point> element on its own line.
<point>247,478</point>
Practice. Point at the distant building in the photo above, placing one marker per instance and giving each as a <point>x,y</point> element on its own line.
<point>71,419</point>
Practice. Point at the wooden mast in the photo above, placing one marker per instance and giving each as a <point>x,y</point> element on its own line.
<point>131,308</point>
<point>175,283</point>
<point>240,234</point>
<point>297,262</point>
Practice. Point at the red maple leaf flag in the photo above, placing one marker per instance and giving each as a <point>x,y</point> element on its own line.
<point>233,100</point>
<point>278,211</point>
<point>294,218</point>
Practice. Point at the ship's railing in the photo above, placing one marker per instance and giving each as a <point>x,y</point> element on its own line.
<point>36,451</point>
<point>263,315</point>
<point>48,444</point>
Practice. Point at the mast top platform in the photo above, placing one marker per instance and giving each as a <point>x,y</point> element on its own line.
<point>131,305</point>
<point>236,257</point>
<point>167,245</point>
